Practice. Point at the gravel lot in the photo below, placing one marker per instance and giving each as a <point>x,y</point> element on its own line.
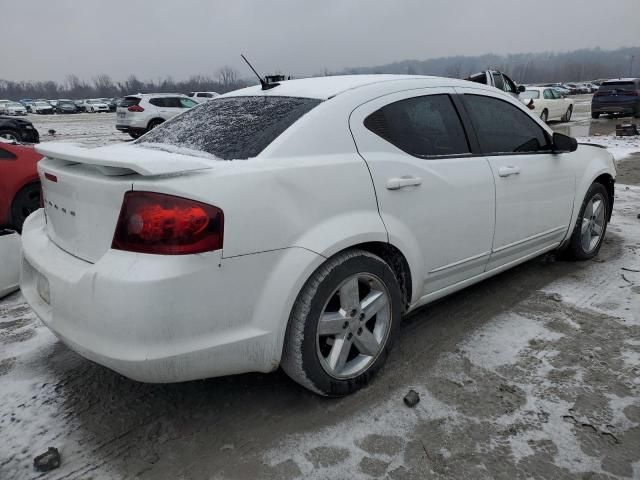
<point>534,373</point>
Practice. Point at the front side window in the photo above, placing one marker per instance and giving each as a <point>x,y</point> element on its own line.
<point>230,128</point>
<point>427,126</point>
<point>503,128</point>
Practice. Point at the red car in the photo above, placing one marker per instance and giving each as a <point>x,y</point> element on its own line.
<point>19,184</point>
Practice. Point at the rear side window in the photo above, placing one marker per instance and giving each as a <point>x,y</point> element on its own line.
<point>548,94</point>
<point>504,128</point>
<point>426,126</point>
<point>186,103</point>
<point>233,128</point>
<point>499,82</point>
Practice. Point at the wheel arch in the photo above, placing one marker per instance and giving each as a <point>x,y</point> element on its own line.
<point>608,182</point>
<point>157,120</point>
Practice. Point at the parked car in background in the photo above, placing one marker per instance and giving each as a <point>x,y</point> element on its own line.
<point>307,246</point>
<point>26,102</point>
<point>112,103</point>
<point>95,105</point>
<point>573,90</point>
<point>592,87</point>
<point>13,108</point>
<point>18,130</point>
<point>41,108</point>
<point>498,80</point>
<point>202,97</point>
<point>19,184</point>
<point>562,90</point>
<point>66,106</point>
<point>53,103</point>
<point>617,97</point>
<point>137,114</point>
<point>80,105</point>
<point>547,103</point>
<point>577,89</point>
<point>2,104</point>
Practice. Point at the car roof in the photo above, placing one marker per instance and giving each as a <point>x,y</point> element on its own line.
<point>615,80</point>
<point>323,88</point>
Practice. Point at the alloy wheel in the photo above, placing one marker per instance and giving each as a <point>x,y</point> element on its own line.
<point>353,326</point>
<point>593,220</point>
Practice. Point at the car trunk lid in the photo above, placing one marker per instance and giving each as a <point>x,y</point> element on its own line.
<point>83,190</point>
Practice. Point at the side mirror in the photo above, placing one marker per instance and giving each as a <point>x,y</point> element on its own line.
<point>564,143</point>
<point>521,88</point>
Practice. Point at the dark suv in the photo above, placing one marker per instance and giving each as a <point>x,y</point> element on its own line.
<point>617,97</point>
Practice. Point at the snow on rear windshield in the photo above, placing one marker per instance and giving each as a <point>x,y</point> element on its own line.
<point>231,128</point>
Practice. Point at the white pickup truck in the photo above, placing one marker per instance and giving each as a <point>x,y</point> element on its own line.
<point>497,79</point>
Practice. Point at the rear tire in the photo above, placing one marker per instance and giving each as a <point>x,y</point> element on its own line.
<point>544,116</point>
<point>153,124</point>
<point>135,135</point>
<point>343,324</point>
<point>595,115</point>
<point>591,225</point>
<point>567,116</point>
<point>26,201</point>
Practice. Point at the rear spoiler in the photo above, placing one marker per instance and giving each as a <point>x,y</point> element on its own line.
<point>121,159</point>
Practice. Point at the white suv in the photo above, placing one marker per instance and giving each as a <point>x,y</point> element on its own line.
<point>137,114</point>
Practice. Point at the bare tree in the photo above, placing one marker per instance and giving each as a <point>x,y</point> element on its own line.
<point>227,76</point>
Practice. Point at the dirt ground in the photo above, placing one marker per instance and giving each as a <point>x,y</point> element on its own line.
<point>534,373</point>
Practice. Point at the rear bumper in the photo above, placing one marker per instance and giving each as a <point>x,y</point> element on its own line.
<point>160,318</point>
<point>624,108</point>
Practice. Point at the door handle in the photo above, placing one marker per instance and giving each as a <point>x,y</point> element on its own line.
<point>509,170</point>
<point>401,182</point>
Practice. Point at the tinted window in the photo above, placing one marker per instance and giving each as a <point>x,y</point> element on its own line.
<point>504,128</point>
<point>497,78</point>
<point>231,128</point>
<point>621,87</point>
<point>422,126</point>
<point>548,95</point>
<point>5,155</point>
<point>129,101</point>
<point>556,94</point>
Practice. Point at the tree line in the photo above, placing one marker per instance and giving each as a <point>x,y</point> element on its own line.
<point>575,66</point>
<point>103,86</point>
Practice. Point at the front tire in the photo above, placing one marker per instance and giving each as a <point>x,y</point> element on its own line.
<point>595,116</point>
<point>591,226</point>
<point>343,324</point>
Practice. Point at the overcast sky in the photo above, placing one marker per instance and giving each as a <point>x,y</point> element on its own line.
<point>43,40</point>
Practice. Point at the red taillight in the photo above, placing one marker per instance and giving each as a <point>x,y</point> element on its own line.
<point>135,108</point>
<point>167,225</point>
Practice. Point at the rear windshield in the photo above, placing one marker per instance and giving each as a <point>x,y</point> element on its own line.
<point>530,94</point>
<point>621,86</point>
<point>231,128</point>
<point>129,101</point>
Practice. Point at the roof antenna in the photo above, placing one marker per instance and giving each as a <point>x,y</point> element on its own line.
<point>265,85</point>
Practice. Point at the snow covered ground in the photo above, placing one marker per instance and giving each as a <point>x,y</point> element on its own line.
<point>532,374</point>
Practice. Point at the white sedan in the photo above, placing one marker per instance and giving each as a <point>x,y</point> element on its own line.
<point>95,105</point>
<point>297,224</point>
<point>548,103</point>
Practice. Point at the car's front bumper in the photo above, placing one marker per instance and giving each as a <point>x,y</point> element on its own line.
<point>157,318</point>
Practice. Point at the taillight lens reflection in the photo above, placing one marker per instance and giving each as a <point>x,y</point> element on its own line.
<point>167,225</point>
